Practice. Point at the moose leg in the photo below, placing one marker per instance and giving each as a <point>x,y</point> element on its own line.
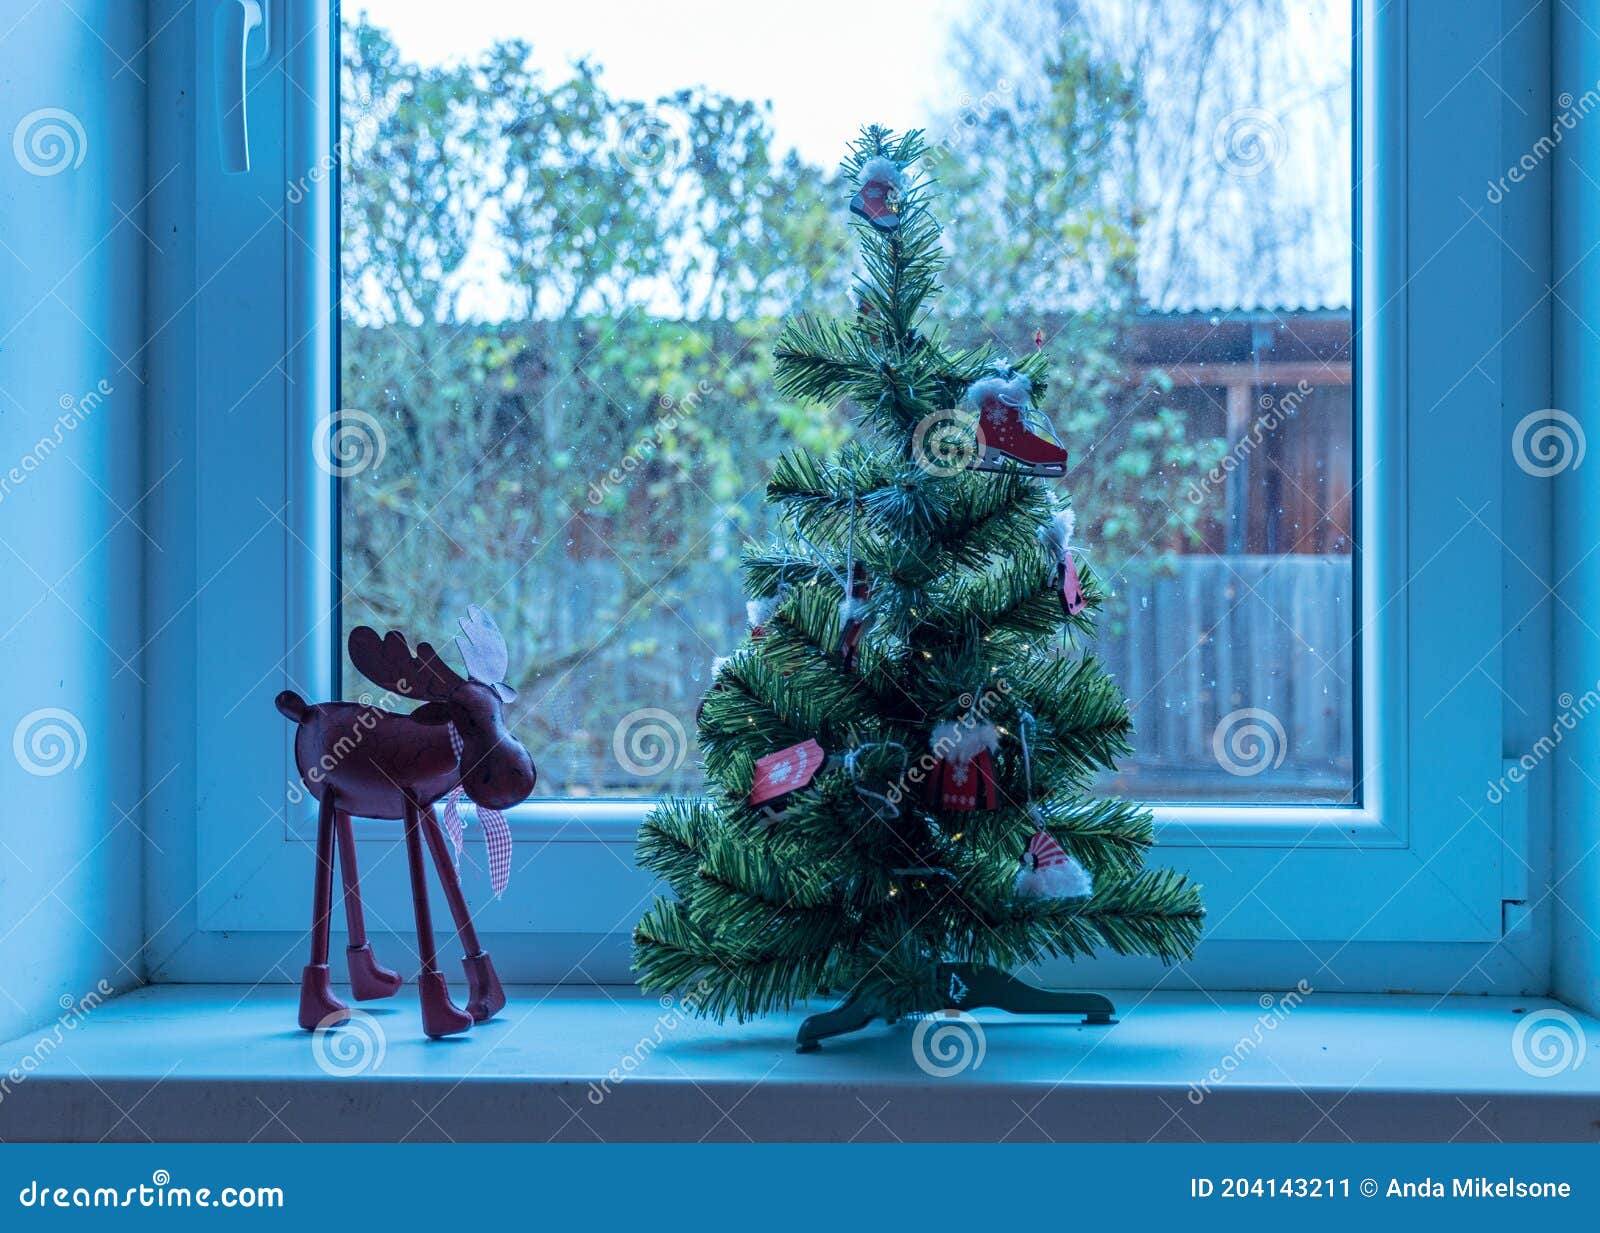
<point>318,1007</point>
<point>440,1016</point>
<point>368,978</point>
<point>485,998</point>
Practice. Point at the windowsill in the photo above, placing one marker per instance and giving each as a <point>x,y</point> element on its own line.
<point>198,1062</point>
<point>617,820</point>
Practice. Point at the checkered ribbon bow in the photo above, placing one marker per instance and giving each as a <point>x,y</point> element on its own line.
<point>496,834</point>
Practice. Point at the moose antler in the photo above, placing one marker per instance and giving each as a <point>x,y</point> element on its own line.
<point>483,648</point>
<point>389,664</point>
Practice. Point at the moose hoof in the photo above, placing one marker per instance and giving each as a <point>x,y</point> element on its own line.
<point>485,997</point>
<point>369,979</point>
<point>318,1007</point>
<point>440,1016</point>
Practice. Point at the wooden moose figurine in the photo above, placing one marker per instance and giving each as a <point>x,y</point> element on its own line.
<point>357,759</point>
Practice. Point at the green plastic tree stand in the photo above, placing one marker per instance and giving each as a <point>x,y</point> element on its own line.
<point>963,986</point>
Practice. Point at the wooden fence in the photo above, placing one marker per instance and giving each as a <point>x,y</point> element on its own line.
<point>1199,648</point>
<point>1258,648</point>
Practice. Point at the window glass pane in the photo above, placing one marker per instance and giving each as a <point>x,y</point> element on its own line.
<point>568,240</point>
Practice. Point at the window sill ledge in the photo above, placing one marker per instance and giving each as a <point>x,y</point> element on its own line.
<point>198,1062</point>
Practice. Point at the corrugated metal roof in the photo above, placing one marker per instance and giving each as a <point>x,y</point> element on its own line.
<point>1222,312</point>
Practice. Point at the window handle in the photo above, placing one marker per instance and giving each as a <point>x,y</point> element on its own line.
<point>235,21</point>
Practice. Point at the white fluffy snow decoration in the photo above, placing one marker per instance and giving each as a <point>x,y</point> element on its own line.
<point>1048,872</point>
<point>1014,391</point>
<point>882,169</point>
<point>1056,534</point>
<point>960,742</point>
<point>1068,881</point>
<point>757,612</point>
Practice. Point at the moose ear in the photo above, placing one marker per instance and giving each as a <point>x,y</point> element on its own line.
<point>507,694</point>
<point>432,713</point>
<point>482,646</point>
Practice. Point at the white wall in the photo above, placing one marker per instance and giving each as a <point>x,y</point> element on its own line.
<point>72,265</point>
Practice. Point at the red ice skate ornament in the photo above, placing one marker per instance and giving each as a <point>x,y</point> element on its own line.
<point>1048,873</point>
<point>878,200</point>
<point>1056,536</point>
<point>1007,434</point>
<point>963,776</point>
<point>359,759</point>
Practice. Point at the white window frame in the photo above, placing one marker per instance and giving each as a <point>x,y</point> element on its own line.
<point>1407,888</point>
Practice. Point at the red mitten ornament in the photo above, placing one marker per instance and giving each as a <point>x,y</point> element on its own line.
<point>780,774</point>
<point>878,199</point>
<point>963,776</point>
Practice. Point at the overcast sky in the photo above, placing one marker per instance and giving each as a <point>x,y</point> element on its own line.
<point>825,67</point>
<point>807,57</point>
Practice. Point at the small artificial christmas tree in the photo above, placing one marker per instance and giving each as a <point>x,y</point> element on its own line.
<point>901,751</point>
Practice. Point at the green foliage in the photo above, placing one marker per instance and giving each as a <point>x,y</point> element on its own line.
<point>1047,238</point>
<point>841,892</point>
<point>559,305</point>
